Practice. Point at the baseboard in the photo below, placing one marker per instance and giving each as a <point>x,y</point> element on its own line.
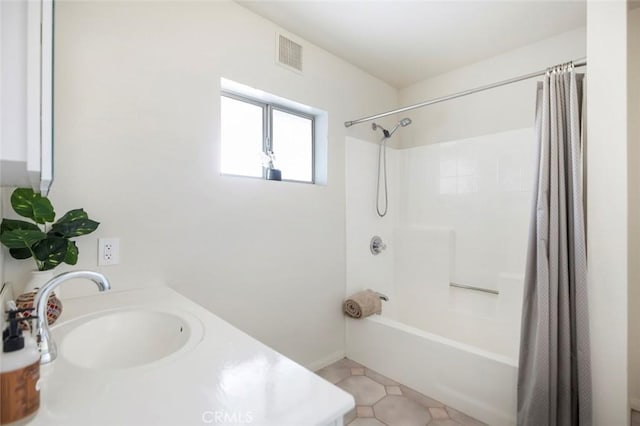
<point>634,403</point>
<point>327,360</point>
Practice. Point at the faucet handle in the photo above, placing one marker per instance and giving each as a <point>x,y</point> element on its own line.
<point>376,245</point>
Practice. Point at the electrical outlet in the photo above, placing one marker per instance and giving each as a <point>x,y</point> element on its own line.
<point>108,251</point>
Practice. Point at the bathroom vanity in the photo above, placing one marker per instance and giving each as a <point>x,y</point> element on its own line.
<point>152,356</point>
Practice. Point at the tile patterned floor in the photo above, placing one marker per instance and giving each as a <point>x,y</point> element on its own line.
<point>381,401</point>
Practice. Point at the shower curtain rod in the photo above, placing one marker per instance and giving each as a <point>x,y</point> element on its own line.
<point>577,63</point>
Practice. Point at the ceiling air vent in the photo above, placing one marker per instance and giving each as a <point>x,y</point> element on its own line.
<point>289,53</point>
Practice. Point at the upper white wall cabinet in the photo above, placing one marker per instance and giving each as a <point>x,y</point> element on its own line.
<point>26,80</point>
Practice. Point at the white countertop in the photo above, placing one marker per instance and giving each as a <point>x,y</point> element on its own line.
<point>227,377</point>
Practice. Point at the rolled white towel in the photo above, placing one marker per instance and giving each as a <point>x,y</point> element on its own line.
<point>363,304</point>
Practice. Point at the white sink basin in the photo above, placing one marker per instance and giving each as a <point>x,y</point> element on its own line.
<point>127,338</point>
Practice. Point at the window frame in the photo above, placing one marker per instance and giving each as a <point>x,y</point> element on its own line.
<point>267,130</point>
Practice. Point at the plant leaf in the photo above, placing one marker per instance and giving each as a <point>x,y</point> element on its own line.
<point>51,252</point>
<point>73,215</point>
<point>21,238</point>
<point>34,206</point>
<point>73,227</point>
<point>20,253</point>
<point>11,224</point>
<point>71,257</point>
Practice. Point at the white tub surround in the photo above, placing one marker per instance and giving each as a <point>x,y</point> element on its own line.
<point>459,216</point>
<point>219,376</point>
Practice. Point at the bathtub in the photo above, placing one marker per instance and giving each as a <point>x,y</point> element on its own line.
<point>472,380</point>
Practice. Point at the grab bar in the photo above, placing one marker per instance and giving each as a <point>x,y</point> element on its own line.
<point>470,287</point>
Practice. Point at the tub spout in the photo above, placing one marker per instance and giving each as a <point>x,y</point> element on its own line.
<point>382,296</point>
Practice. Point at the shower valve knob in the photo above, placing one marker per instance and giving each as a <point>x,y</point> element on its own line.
<point>376,246</point>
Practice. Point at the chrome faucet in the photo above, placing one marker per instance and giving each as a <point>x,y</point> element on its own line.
<point>46,345</point>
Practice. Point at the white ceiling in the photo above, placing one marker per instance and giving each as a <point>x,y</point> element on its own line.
<point>402,42</point>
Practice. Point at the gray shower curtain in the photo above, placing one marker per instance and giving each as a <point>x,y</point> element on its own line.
<point>554,379</point>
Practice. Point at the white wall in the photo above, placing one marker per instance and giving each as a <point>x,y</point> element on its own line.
<point>505,108</point>
<point>137,145</point>
<point>633,52</point>
<point>607,204</point>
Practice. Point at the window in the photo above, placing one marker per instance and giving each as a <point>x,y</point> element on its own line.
<point>256,134</point>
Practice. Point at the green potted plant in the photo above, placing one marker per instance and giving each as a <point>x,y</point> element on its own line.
<point>46,240</point>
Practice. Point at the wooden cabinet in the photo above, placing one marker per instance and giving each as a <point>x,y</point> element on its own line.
<point>26,94</point>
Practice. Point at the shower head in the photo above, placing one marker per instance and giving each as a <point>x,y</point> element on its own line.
<point>387,134</point>
<point>404,123</point>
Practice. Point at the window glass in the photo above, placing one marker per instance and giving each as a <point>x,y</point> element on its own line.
<point>293,145</point>
<point>242,137</point>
